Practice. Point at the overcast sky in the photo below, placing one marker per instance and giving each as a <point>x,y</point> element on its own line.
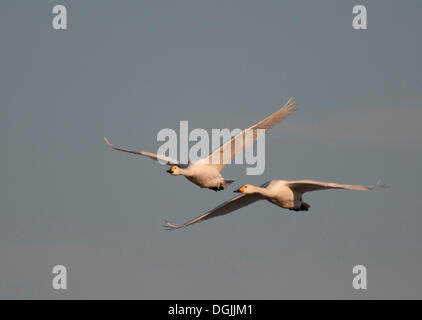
<point>127,69</point>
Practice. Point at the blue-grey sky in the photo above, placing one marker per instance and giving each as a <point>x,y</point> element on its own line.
<point>127,69</point>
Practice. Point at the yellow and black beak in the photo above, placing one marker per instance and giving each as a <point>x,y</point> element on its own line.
<point>240,190</point>
<point>171,170</point>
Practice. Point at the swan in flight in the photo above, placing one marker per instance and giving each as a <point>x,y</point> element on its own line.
<point>205,172</point>
<point>285,194</point>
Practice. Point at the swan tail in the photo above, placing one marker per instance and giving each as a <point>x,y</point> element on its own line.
<point>228,181</point>
<point>304,206</point>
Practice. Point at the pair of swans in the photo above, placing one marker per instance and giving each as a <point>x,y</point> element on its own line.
<point>205,173</point>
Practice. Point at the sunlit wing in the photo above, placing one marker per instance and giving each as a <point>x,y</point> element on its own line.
<point>237,202</point>
<point>162,159</point>
<point>302,186</point>
<point>245,139</point>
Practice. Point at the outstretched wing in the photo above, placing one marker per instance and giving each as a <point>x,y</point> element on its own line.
<point>162,159</point>
<point>237,202</point>
<point>242,141</point>
<point>302,186</point>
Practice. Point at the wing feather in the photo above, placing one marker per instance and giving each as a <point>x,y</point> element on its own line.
<point>302,186</point>
<point>227,207</point>
<point>231,149</point>
<point>162,159</point>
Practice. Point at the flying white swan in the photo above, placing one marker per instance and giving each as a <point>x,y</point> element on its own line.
<point>285,194</point>
<point>205,172</point>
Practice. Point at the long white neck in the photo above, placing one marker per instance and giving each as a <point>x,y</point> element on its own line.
<point>263,191</point>
<point>185,171</point>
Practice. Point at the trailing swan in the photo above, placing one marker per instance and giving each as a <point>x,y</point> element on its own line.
<point>283,193</point>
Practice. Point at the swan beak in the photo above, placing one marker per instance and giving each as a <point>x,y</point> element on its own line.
<point>170,171</point>
<point>240,190</point>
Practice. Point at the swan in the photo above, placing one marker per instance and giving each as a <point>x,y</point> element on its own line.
<point>283,193</point>
<point>205,172</point>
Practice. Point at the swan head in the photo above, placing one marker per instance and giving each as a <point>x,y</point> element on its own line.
<point>247,188</point>
<point>174,171</point>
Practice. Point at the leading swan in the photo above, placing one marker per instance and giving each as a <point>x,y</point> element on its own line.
<point>205,172</point>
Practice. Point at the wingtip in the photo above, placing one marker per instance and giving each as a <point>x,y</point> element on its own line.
<point>169,226</point>
<point>291,104</point>
<point>380,186</point>
<point>107,141</point>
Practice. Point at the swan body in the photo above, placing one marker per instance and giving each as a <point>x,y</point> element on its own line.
<point>203,175</point>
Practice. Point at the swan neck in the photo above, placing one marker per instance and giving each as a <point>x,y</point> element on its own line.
<point>185,171</point>
<point>263,191</point>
